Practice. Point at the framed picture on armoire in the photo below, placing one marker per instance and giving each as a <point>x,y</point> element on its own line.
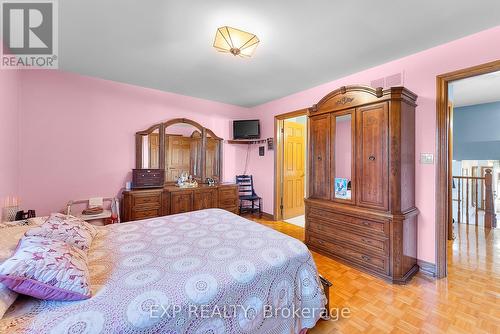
<point>340,187</point>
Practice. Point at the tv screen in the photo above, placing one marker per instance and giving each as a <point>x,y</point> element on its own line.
<point>247,129</point>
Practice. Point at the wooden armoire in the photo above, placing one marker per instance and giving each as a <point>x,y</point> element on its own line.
<point>360,207</point>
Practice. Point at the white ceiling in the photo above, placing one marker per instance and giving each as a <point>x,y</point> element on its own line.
<point>476,90</point>
<point>167,44</point>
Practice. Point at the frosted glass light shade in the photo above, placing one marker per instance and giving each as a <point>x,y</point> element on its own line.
<point>235,41</point>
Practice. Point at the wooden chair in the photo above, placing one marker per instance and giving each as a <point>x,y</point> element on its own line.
<point>249,200</point>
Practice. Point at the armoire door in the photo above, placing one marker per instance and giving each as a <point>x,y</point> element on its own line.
<point>319,159</point>
<point>373,161</point>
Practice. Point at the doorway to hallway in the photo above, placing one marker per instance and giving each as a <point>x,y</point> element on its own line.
<point>291,158</point>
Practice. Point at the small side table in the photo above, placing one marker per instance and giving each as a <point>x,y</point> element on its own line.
<point>97,219</point>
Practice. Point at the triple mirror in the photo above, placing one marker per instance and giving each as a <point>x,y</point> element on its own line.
<point>180,146</point>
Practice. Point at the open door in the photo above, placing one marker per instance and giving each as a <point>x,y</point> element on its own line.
<point>294,134</point>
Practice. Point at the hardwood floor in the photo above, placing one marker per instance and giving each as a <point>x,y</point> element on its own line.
<point>468,301</point>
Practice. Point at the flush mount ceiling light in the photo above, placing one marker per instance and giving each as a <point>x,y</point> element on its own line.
<point>235,41</point>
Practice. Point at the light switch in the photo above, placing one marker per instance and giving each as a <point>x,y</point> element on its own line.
<point>427,158</point>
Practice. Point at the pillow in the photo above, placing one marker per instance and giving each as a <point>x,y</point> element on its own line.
<point>9,238</point>
<point>47,269</point>
<point>70,229</point>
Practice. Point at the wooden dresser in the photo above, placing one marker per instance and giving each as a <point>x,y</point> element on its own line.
<point>361,204</point>
<point>150,203</point>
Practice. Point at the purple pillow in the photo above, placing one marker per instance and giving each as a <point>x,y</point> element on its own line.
<point>47,269</point>
<point>70,229</point>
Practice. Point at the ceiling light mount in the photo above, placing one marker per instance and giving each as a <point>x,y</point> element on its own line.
<point>235,51</point>
<point>235,41</point>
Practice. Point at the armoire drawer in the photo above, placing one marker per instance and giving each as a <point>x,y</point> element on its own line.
<point>376,245</point>
<point>347,222</point>
<point>374,262</point>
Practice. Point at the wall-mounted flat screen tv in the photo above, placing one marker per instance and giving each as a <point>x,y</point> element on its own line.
<point>246,129</point>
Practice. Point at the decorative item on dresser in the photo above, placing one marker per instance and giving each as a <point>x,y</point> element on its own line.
<point>178,148</point>
<point>361,204</point>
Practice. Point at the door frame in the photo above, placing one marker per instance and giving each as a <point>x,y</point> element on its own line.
<point>278,157</point>
<point>444,155</point>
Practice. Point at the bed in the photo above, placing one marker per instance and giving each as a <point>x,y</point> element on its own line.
<point>206,271</point>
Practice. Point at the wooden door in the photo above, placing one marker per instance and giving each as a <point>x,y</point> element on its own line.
<point>293,169</point>
<point>212,153</point>
<point>178,157</point>
<point>373,162</point>
<point>181,201</point>
<point>154,150</point>
<point>319,159</point>
<point>204,199</point>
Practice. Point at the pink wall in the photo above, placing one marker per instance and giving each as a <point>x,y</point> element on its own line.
<point>420,71</point>
<point>9,163</point>
<point>77,134</point>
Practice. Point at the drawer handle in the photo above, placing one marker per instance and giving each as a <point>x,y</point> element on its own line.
<point>367,224</point>
<point>365,257</point>
<point>371,158</point>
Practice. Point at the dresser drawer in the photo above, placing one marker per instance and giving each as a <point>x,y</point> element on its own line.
<point>376,245</point>
<point>345,222</point>
<point>145,214</point>
<point>228,197</point>
<point>377,263</point>
<point>147,200</point>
